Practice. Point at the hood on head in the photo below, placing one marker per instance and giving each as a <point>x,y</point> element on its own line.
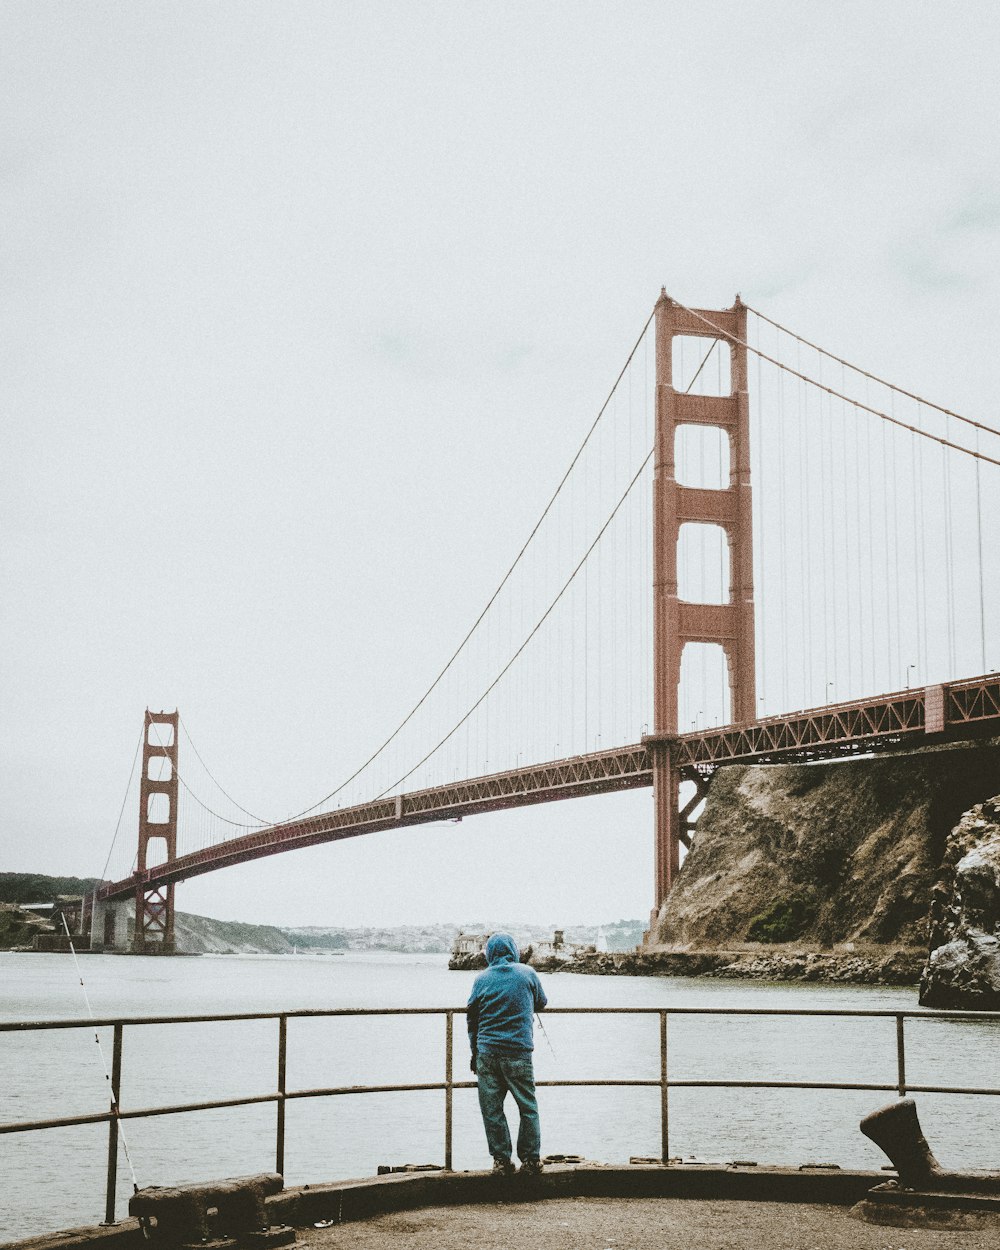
<point>501,948</point>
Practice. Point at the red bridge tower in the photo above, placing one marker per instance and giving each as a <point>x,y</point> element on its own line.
<point>675,621</point>
<point>154,907</point>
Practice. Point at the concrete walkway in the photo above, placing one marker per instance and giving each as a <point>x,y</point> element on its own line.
<point>634,1224</point>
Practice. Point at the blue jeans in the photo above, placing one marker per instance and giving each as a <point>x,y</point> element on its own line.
<point>497,1074</point>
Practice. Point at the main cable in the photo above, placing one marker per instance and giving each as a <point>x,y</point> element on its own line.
<point>733,338</point>
<point>211,775</point>
<point>865,374</point>
<point>538,624</point>
<point>478,621</point>
<point>121,812</point>
<point>503,582</point>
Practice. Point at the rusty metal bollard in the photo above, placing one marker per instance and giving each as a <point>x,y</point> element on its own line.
<point>220,1214</point>
<point>896,1129</point>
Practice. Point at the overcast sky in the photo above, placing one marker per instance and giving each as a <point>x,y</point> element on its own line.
<point>306,307</point>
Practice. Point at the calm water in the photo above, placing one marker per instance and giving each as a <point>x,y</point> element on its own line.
<point>55,1179</point>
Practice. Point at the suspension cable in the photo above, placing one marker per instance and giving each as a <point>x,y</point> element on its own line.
<point>503,582</point>
<point>865,374</point>
<point>121,812</point>
<point>478,621</point>
<point>237,824</point>
<point>538,624</point>
<point>733,338</point>
<point>252,815</point>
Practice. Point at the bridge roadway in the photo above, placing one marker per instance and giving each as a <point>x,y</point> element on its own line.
<point>925,716</point>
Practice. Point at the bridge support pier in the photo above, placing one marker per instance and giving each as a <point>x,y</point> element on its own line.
<point>109,925</point>
<point>666,805</point>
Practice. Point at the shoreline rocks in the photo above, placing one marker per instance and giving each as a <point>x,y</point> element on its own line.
<point>891,966</point>
<point>886,967</point>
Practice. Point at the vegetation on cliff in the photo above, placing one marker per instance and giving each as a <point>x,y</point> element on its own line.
<point>36,887</point>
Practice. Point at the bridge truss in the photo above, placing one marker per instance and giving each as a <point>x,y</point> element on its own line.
<point>908,718</point>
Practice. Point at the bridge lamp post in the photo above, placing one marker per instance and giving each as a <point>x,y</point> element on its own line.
<point>909,669</point>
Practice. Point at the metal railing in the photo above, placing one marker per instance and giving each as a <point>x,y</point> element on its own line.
<point>282,1094</point>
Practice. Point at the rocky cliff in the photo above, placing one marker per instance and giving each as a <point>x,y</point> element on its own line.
<point>824,867</point>
<point>963,968</point>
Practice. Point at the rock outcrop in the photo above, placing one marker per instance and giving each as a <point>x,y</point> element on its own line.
<point>963,967</point>
<point>821,871</point>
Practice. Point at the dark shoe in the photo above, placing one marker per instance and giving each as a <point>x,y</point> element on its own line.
<point>531,1167</point>
<point>503,1167</point>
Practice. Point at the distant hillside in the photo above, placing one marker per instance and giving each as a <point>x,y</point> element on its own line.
<point>35,887</point>
<point>200,935</point>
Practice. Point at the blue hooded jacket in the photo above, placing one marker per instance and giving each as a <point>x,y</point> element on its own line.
<point>502,1002</point>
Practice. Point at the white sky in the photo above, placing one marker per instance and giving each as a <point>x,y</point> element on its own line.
<point>305,308</point>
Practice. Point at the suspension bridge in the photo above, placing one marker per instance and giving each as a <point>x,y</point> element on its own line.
<point>759,552</point>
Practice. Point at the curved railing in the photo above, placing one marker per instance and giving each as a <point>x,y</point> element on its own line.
<point>282,1095</point>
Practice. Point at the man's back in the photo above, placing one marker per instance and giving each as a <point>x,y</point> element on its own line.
<point>502,1002</point>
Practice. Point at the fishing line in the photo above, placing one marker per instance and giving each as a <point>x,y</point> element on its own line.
<point>546,1036</point>
<point>104,1062</point>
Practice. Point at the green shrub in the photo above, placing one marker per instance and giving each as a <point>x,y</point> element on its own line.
<point>783,921</point>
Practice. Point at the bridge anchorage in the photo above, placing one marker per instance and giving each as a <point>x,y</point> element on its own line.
<point>900,564</point>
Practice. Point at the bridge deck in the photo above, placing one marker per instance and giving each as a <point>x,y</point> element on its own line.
<point>931,715</point>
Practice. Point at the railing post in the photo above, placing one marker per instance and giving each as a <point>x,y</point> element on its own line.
<point>116,1084</point>
<point>664,1093</point>
<point>279,1151</point>
<point>900,1058</point>
<point>449,1040</point>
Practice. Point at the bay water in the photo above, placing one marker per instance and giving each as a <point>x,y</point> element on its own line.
<point>55,1179</point>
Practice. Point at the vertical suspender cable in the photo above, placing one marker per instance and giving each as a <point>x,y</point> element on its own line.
<point>914,538</point>
<point>872,545</point>
<point>803,537</point>
<point>923,559</point>
<point>830,582</point>
<point>885,534</point>
<point>781,530</point>
<point>949,554</point>
<point>896,572</point>
<point>979,550</point>
<point>760,588</point>
<point>846,529</point>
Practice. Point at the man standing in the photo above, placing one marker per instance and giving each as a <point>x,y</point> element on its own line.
<point>499,1013</point>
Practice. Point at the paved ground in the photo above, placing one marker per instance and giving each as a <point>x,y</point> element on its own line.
<point>635,1224</point>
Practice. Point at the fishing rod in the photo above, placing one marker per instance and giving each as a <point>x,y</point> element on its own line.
<point>104,1062</point>
<point>546,1036</point>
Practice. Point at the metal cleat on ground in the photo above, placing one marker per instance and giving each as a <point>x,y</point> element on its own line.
<point>212,1215</point>
<point>926,1194</point>
<point>388,1169</point>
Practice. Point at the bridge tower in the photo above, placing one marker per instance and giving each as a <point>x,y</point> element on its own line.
<point>154,907</point>
<point>675,621</point>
